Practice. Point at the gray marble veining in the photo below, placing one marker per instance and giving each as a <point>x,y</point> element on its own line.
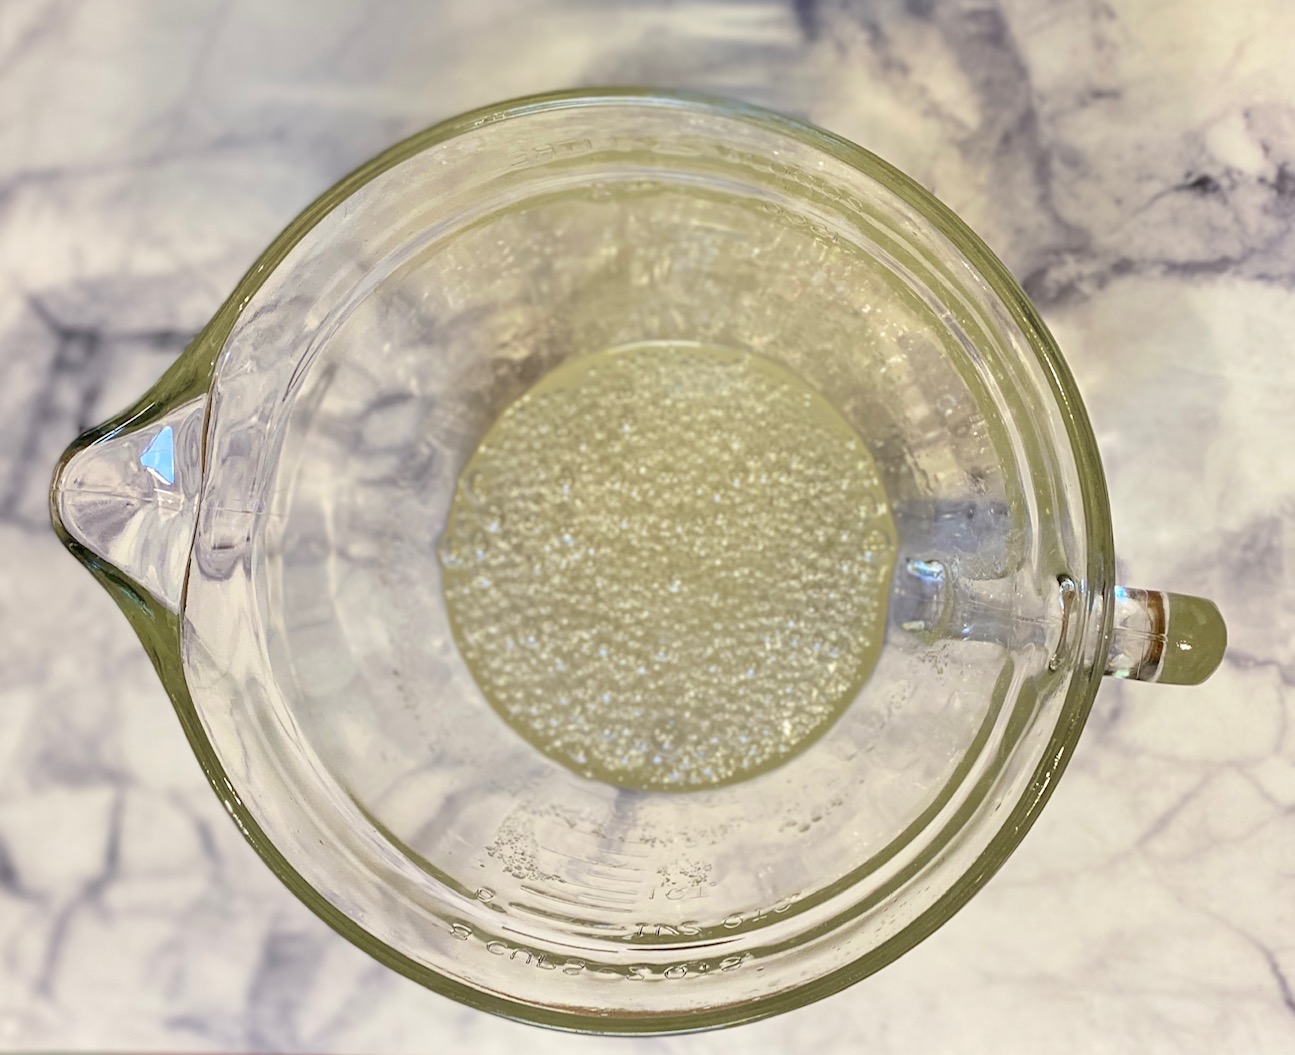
<point>1134,164</point>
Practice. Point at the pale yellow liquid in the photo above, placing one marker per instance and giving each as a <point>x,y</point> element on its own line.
<point>667,565</point>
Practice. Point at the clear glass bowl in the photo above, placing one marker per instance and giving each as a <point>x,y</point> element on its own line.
<point>267,518</point>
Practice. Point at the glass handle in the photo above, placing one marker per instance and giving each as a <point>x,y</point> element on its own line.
<point>1170,638</point>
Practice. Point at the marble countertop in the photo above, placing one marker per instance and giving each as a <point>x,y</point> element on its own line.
<point>1133,161</point>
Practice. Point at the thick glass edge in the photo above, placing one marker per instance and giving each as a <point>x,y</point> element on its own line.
<point>159,629</point>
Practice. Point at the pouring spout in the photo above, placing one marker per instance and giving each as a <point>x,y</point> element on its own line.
<point>126,500</point>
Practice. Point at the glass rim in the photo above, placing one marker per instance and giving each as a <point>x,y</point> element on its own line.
<point>160,629</point>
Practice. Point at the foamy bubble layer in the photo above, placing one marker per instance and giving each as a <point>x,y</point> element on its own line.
<point>667,565</point>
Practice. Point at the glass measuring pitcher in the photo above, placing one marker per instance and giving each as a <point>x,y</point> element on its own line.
<point>268,517</point>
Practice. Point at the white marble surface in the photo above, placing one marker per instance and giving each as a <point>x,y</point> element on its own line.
<point>1132,160</point>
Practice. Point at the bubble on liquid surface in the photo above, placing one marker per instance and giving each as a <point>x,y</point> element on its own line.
<point>667,565</point>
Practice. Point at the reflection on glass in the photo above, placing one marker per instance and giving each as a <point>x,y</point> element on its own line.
<point>159,456</point>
